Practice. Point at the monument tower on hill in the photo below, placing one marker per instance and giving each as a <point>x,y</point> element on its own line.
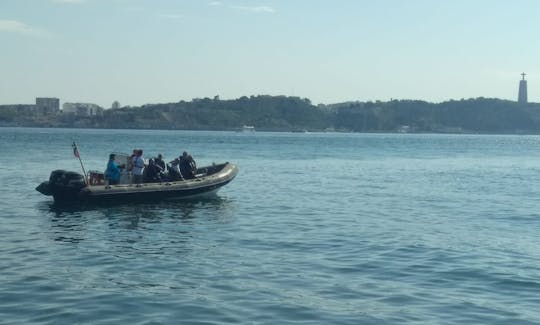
<point>522,95</point>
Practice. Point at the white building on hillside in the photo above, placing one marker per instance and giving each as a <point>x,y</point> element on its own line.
<point>82,109</point>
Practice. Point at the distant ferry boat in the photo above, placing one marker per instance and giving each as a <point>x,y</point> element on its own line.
<point>248,128</point>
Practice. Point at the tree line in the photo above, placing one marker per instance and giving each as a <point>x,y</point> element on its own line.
<point>287,113</point>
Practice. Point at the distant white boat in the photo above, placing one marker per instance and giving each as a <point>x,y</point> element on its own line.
<point>248,128</point>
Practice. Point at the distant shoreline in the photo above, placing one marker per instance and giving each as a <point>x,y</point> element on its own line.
<point>294,114</point>
<point>270,131</point>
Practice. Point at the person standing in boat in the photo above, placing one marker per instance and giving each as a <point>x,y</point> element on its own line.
<point>112,173</point>
<point>187,166</point>
<point>138,167</point>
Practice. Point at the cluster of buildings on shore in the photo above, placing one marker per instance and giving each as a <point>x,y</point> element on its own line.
<point>51,106</point>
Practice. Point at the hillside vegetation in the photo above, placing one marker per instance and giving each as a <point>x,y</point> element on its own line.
<point>283,113</point>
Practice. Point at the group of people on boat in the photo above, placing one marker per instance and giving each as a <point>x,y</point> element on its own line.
<point>153,171</point>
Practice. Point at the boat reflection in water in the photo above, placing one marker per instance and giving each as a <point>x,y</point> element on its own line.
<point>73,222</point>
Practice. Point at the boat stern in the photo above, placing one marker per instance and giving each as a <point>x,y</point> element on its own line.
<point>44,188</point>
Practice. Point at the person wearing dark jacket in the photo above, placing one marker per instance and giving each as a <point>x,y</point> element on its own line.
<point>188,167</point>
<point>159,162</point>
<point>152,172</point>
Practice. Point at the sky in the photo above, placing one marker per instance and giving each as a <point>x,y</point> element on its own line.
<point>141,52</point>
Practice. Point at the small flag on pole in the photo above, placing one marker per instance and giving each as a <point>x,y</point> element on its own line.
<point>76,151</point>
<point>76,154</point>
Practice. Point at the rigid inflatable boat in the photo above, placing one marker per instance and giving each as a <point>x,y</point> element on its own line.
<point>71,187</point>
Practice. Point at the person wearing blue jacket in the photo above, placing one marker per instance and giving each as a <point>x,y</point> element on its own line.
<point>112,173</point>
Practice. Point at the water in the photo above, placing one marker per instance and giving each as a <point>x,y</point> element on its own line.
<point>316,229</point>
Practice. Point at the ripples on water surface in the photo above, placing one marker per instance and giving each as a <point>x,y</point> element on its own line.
<point>317,228</point>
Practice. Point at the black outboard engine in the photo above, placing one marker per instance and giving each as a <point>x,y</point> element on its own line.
<point>63,185</point>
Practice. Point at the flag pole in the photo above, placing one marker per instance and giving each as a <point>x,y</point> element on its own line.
<point>76,153</point>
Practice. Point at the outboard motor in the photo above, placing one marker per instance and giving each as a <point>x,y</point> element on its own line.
<point>63,185</point>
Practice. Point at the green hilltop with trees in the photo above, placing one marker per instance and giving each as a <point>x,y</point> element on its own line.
<point>286,113</point>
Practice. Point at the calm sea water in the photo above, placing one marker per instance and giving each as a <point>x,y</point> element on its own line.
<point>316,229</point>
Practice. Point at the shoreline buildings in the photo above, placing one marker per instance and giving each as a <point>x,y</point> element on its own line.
<point>47,106</point>
<point>82,109</point>
<point>43,106</point>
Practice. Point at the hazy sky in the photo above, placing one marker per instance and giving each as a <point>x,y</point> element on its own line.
<point>157,51</point>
